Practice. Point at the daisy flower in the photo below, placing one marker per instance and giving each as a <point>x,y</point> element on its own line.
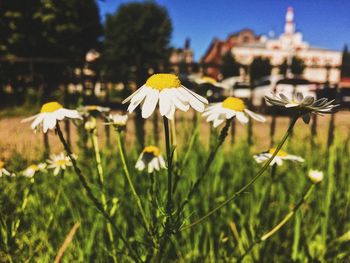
<point>31,170</point>
<point>117,120</point>
<point>151,159</point>
<point>58,163</point>
<point>279,158</point>
<point>50,113</point>
<point>166,88</point>
<point>315,176</point>
<point>229,108</point>
<point>3,171</point>
<point>305,106</point>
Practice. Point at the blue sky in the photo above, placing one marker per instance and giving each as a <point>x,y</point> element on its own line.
<point>323,23</point>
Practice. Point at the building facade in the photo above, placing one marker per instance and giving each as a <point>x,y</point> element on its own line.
<point>321,65</point>
<point>212,59</point>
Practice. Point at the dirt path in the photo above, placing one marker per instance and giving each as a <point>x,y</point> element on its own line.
<point>18,137</point>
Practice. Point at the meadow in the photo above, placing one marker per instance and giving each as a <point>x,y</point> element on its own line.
<point>281,217</point>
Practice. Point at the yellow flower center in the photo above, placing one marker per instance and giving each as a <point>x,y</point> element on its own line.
<point>209,79</point>
<point>152,150</point>
<point>34,167</point>
<point>91,107</point>
<point>280,152</point>
<point>233,104</point>
<point>163,81</point>
<point>50,107</point>
<point>2,164</point>
<point>61,162</point>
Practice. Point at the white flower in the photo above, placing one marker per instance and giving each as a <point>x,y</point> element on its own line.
<point>315,176</point>
<point>58,163</point>
<point>229,108</point>
<point>31,170</point>
<point>150,158</point>
<point>3,171</point>
<point>304,106</point>
<point>166,88</point>
<point>281,155</point>
<point>50,113</point>
<point>117,120</point>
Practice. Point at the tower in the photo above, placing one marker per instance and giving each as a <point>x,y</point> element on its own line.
<point>289,27</point>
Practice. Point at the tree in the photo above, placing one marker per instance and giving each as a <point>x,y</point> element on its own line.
<point>297,66</point>
<point>137,38</point>
<point>260,67</point>
<point>61,32</point>
<point>345,65</point>
<point>229,67</point>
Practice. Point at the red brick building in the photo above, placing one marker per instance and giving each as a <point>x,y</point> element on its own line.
<point>211,60</point>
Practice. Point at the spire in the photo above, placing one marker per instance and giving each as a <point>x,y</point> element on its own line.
<point>289,27</point>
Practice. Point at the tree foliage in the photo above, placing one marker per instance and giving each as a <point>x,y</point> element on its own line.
<point>260,67</point>
<point>229,67</point>
<point>137,38</point>
<point>345,65</point>
<point>297,66</point>
<point>58,32</point>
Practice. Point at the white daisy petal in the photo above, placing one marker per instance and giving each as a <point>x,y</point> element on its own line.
<point>38,120</point>
<point>291,105</point>
<point>171,113</point>
<point>198,97</point>
<point>164,102</point>
<point>242,117</point>
<point>255,116</point>
<point>217,122</point>
<point>150,103</point>
<point>138,94</point>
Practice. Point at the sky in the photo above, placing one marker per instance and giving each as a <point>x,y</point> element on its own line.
<point>323,23</point>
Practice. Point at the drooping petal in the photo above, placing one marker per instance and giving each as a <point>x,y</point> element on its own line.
<point>38,120</point>
<point>255,116</point>
<point>242,117</point>
<point>138,93</point>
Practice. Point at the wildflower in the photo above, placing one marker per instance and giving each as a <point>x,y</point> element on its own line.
<point>93,110</point>
<point>150,158</point>
<point>90,125</point>
<point>166,88</point>
<point>229,108</point>
<point>31,170</point>
<point>50,113</point>
<point>305,106</point>
<point>58,163</point>
<point>117,120</point>
<point>3,171</point>
<point>315,176</point>
<point>281,155</point>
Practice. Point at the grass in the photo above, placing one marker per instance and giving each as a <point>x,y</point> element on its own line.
<point>314,234</point>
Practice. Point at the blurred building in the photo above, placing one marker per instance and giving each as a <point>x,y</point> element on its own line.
<point>212,59</point>
<point>181,59</point>
<point>321,64</point>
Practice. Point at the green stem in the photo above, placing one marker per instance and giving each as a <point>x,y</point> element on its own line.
<point>169,160</point>
<point>136,196</point>
<point>58,196</point>
<point>91,196</point>
<point>23,207</point>
<point>211,157</point>
<point>251,182</point>
<point>100,172</point>
<point>281,223</point>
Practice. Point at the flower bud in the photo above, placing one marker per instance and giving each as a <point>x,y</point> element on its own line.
<point>90,125</point>
<point>315,176</point>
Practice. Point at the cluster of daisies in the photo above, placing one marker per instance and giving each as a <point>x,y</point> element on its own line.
<point>58,163</point>
<point>167,92</point>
